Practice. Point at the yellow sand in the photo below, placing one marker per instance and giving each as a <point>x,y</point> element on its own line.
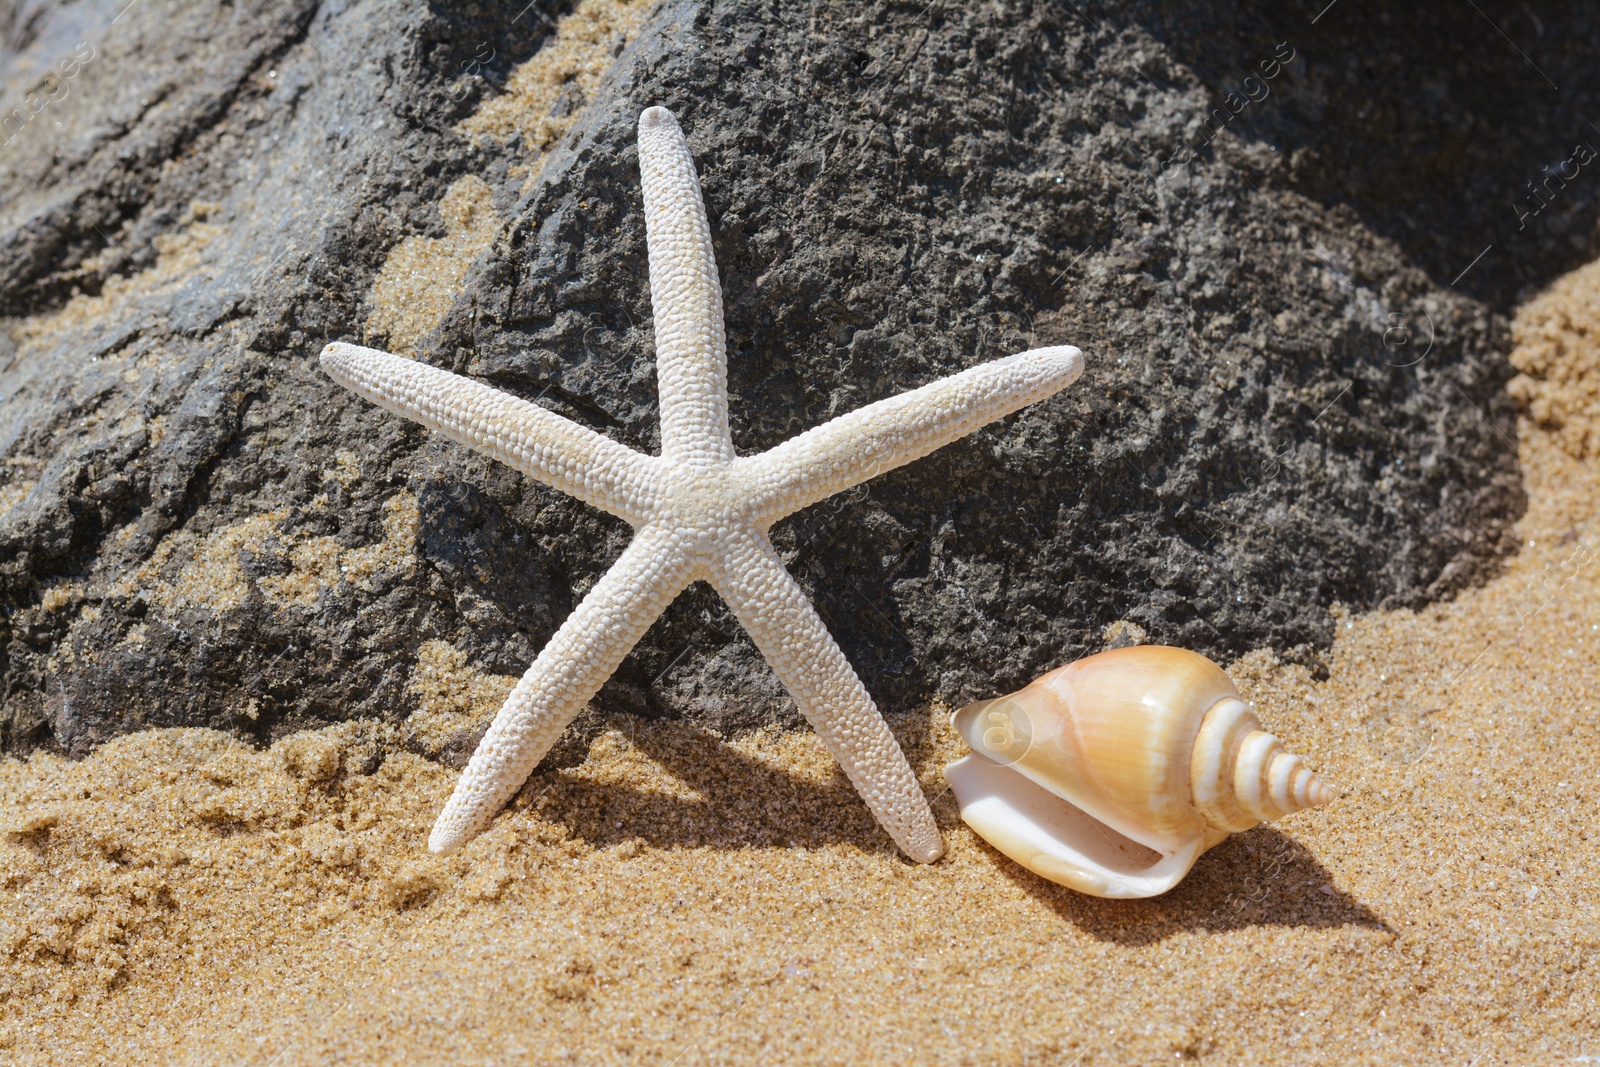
<point>1558,351</point>
<point>180,260</point>
<point>571,65</point>
<point>679,898</point>
<point>421,275</point>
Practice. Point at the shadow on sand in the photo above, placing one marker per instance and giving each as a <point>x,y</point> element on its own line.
<point>1261,877</point>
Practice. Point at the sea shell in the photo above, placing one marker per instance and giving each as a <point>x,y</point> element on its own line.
<point>1112,774</point>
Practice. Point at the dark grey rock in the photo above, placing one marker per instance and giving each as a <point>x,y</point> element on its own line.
<point>897,191</point>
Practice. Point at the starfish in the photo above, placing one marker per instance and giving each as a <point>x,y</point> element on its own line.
<point>699,511</point>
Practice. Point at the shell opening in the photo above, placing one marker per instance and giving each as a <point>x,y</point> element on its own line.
<point>1056,840</point>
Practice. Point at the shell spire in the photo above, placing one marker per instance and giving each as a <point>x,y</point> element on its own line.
<point>1242,775</point>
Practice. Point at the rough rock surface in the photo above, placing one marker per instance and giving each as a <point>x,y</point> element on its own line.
<point>1292,398</point>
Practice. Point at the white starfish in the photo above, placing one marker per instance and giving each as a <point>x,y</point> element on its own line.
<point>699,511</point>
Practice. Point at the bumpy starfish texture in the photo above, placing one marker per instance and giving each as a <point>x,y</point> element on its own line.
<point>699,511</point>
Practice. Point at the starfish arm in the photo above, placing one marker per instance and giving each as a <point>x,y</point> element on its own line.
<point>685,296</point>
<point>880,437</point>
<point>536,441</point>
<point>773,608</point>
<point>569,671</point>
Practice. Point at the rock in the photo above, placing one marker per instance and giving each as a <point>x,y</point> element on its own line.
<point>1288,402</point>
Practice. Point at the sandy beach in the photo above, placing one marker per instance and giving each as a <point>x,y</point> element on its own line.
<point>658,894</point>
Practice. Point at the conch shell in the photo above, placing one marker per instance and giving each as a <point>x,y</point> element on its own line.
<point>1112,774</point>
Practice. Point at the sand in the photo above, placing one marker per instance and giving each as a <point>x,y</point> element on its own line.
<point>672,897</point>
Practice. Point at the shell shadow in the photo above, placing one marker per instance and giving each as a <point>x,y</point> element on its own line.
<point>1261,877</point>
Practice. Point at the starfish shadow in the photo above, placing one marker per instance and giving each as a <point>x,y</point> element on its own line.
<point>1261,877</point>
<point>735,800</point>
